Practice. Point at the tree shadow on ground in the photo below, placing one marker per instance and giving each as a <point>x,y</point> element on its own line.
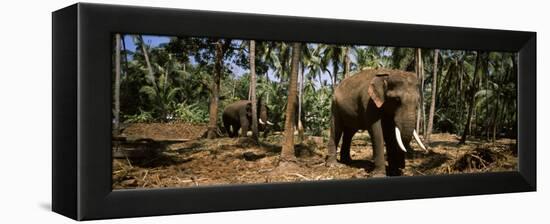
<point>446,144</point>
<point>430,161</point>
<point>190,147</point>
<point>159,160</point>
<point>367,165</point>
<point>269,147</point>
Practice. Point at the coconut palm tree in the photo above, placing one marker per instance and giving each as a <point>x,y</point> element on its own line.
<point>419,67</point>
<point>161,92</point>
<point>498,92</point>
<point>346,61</point>
<point>287,153</point>
<point>221,46</point>
<point>368,57</point>
<point>333,55</point>
<point>252,54</point>
<point>403,59</point>
<point>144,50</point>
<point>478,68</point>
<point>434,94</point>
<point>116,95</point>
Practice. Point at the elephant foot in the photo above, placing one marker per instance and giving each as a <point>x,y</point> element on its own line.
<point>395,172</point>
<point>345,159</point>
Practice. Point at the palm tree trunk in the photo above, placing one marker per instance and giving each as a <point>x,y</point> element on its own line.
<point>503,114</point>
<point>434,94</point>
<point>125,53</point>
<point>471,103</point>
<point>249,91</point>
<point>215,91</point>
<point>300,92</point>
<point>267,83</point>
<point>283,62</point>
<point>234,88</point>
<point>151,75</point>
<point>347,62</point>
<point>252,52</point>
<point>420,76</point>
<point>334,72</point>
<point>422,103</point>
<point>116,110</point>
<point>487,111</point>
<point>461,93</point>
<point>495,120</point>
<point>287,153</point>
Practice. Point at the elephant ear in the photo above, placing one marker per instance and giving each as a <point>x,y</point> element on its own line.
<point>377,88</point>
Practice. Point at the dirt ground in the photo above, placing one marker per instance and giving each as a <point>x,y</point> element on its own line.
<point>200,162</point>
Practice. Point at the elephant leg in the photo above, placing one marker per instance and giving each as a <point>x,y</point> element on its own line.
<point>227,127</point>
<point>236,128</point>
<point>266,130</point>
<point>245,125</point>
<point>333,140</point>
<point>396,160</point>
<point>377,137</point>
<point>396,156</point>
<point>346,144</point>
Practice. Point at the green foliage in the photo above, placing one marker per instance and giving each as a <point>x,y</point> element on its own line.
<point>161,92</point>
<point>372,57</point>
<point>191,113</point>
<point>317,109</point>
<point>182,81</point>
<point>142,117</point>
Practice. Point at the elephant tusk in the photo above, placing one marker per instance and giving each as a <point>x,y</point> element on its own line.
<point>261,122</point>
<point>399,140</point>
<point>269,123</point>
<point>417,138</point>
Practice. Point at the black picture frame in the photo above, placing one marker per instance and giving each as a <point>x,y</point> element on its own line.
<point>82,54</point>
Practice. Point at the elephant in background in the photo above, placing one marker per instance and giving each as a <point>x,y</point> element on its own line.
<point>383,102</point>
<point>238,115</point>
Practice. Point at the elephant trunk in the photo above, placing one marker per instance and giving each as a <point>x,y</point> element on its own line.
<point>262,116</point>
<point>404,133</point>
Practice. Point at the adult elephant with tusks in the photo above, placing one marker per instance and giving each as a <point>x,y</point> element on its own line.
<point>383,102</point>
<point>238,115</point>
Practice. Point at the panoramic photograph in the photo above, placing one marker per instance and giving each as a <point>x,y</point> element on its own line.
<point>204,111</point>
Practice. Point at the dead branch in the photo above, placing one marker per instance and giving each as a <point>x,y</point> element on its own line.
<point>481,161</point>
<point>300,176</point>
<point>145,175</point>
<point>129,163</point>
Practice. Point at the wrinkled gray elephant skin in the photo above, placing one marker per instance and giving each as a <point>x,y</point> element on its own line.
<point>238,115</point>
<point>383,102</point>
